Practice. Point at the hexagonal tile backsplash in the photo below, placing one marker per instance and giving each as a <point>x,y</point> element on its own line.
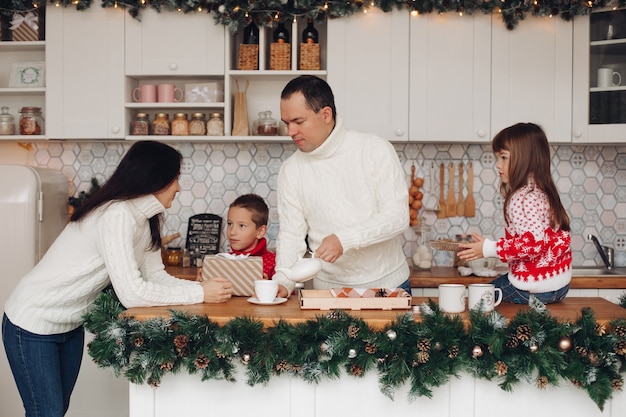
<point>591,180</point>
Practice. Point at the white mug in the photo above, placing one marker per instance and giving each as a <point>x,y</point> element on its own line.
<point>452,298</point>
<point>265,290</point>
<point>606,78</point>
<point>485,293</point>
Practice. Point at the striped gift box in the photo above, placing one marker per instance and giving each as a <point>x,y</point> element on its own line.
<point>241,272</point>
<point>25,26</point>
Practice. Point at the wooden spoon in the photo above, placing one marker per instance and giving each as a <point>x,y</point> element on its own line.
<point>451,202</point>
<point>442,203</point>
<point>470,204</point>
<point>460,209</point>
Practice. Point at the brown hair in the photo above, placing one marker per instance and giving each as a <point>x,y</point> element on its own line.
<point>256,205</point>
<point>530,158</point>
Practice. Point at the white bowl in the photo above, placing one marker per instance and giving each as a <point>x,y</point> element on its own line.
<point>482,263</point>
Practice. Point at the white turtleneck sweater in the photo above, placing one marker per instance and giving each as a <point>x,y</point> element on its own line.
<point>352,186</point>
<point>109,246</point>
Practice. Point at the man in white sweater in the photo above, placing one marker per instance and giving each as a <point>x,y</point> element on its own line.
<point>343,191</point>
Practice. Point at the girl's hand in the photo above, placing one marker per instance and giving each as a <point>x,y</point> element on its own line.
<point>217,290</point>
<point>473,250</point>
<point>199,275</point>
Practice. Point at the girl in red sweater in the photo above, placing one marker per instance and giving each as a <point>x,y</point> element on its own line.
<point>537,233</point>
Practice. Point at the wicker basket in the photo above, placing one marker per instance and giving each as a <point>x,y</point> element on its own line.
<point>248,57</point>
<point>280,56</point>
<point>445,245</point>
<point>310,56</point>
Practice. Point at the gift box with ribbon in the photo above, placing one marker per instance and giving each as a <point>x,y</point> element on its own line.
<point>212,92</point>
<point>27,26</point>
<point>241,270</point>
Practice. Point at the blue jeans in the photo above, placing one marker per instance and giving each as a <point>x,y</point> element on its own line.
<point>510,294</point>
<point>45,367</point>
<point>406,286</point>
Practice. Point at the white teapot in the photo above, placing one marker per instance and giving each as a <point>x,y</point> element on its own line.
<point>303,270</point>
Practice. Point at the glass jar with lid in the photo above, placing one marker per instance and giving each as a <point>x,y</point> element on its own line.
<point>265,125</point>
<point>197,124</point>
<point>7,122</point>
<point>31,121</point>
<point>161,124</point>
<point>215,125</point>
<point>140,125</point>
<point>180,125</point>
<point>423,255</point>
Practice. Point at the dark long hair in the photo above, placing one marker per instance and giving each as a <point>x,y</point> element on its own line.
<point>530,158</point>
<point>147,167</point>
<point>317,93</point>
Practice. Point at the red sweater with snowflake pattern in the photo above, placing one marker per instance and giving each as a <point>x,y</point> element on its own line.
<point>539,257</point>
<point>269,258</point>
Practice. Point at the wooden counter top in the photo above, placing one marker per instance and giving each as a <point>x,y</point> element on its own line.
<point>449,275</point>
<point>290,312</point>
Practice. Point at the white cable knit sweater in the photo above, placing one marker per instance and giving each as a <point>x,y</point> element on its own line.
<point>353,186</point>
<point>108,246</point>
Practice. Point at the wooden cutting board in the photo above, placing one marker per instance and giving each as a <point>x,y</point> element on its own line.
<point>451,201</point>
<point>442,203</point>
<point>460,208</point>
<point>470,204</point>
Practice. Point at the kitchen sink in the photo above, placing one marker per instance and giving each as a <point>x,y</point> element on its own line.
<point>592,271</point>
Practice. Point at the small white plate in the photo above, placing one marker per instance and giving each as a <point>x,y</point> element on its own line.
<point>278,300</point>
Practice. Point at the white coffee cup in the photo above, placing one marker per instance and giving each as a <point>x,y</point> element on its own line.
<point>265,290</point>
<point>486,293</point>
<point>452,298</point>
<point>607,78</point>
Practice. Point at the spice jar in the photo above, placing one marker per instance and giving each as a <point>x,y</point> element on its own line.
<point>180,125</point>
<point>423,255</point>
<point>463,238</point>
<point>7,122</point>
<point>173,256</point>
<point>140,125</point>
<point>161,124</point>
<point>197,124</point>
<point>31,121</point>
<point>265,125</point>
<point>215,125</point>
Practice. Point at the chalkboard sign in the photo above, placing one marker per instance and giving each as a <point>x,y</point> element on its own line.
<point>204,232</point>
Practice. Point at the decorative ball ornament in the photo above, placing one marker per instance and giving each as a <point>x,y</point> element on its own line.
<point>477,352</point>
<point>438,346</point>
<point>245,358</point>
<point>391,334</point>
<point>323,347</point>
<point>221,9</point>
<point>565,344</point>
<point>352,353</point>
<point>534,348</point>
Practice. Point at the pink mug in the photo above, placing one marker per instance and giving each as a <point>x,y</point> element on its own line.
<point>168,93</point>
<point>146,93</point>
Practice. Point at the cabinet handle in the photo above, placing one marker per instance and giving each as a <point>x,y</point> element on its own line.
<point>399,132</point>
<point>115,129</point>
<point>577,133</point>
<point>173,66</point>
<point>481,133</point>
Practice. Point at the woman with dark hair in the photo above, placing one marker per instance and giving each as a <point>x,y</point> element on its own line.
<point>113,238</point>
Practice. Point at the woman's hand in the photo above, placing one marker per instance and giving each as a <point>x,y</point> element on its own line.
<point>282,292</point>
<point>473,250</point>
<point>217,290</point>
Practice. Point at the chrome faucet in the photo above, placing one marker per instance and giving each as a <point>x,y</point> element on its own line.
<point>607,254</point>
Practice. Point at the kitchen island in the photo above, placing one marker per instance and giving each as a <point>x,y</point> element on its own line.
<point>466,396</point>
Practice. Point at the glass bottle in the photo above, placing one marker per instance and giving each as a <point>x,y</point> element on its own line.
<point>31,121</point>
<point>310,34</point>
<point>251,34</point>
<point>174,256</point>
<point>265,125</point>
<point>281,34</point>
<point>215,125</point>
<point>423,255</point>
<point>7,122</point>
<point>180,125</point>
<point>140,125</point>
<point>197,124</point>
<point>161,124</point>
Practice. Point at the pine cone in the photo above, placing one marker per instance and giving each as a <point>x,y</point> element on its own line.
<point>356,370</point>
<point>523,332</point>
<point>501,368</point>
<point>138,342</point>
<point>600,329</point>
<point>353,331</point>
<point>512,342</point>
<point>620,348</point>
<point>282,366</point>
<point>153,383</point>
<point>619,330</point>
<point>219,354</point>
<point>370,348</point>
<point>542,382</point>
<point>201,362</point>
<point>167,366</point>
<point>423,357</point>
<point>180,342</point>
<point>581,350</point>
<point>577,383</point>
<point>594,359</point>
<point>424,345</point>
<point>453,352</point>
<point>617,384</point>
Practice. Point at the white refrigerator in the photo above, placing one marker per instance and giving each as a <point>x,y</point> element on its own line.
<point>33,211</point>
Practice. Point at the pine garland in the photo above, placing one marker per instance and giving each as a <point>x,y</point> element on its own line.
<point>533,347</point>
<point>236,13</point>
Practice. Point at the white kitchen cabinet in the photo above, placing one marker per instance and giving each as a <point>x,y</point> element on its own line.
<point>599,113</point>
<point>368,70</point>
<point>449,80</point>
<point>173,43</point>
<point>531,75</point>
<point>85,73</point>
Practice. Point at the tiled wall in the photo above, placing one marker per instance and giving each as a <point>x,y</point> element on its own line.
<point>591,179</point>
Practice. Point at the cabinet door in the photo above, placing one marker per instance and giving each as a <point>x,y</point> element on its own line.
<point>85,73</point>
<point>449,78</point>
<point>170,43</point>
<point>532,75</point>
<point>367,70</point>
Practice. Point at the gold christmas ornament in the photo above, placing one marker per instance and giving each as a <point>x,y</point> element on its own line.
<point>352,353</point>
<point>477,352</point>
<point>245,358</point>
<point>534,348</point>
<point>565,344</point>
<point>391,334</point>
